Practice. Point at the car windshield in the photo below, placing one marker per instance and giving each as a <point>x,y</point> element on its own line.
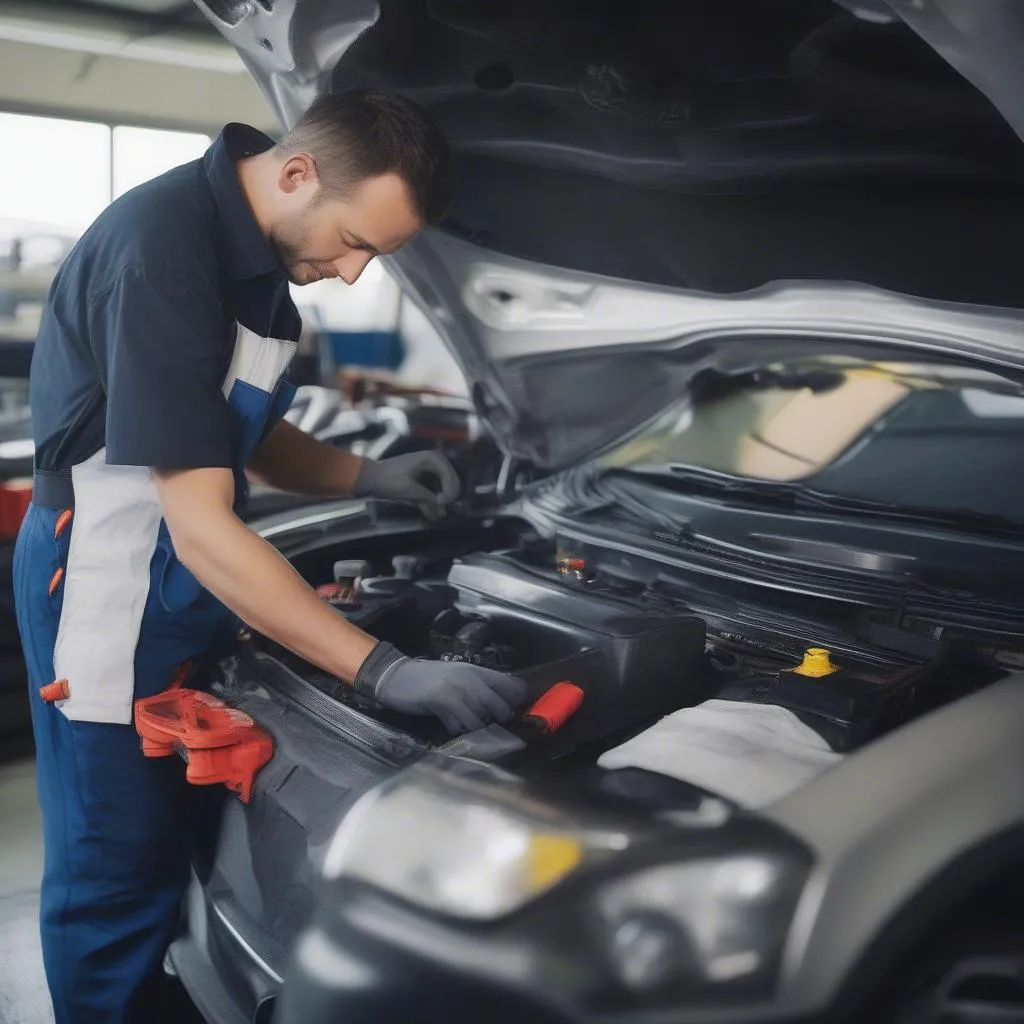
<point>917,435</point>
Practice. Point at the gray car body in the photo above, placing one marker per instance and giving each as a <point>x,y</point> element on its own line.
<point>895,817</point>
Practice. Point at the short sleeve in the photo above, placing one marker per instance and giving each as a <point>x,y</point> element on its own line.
<point>160,342</point>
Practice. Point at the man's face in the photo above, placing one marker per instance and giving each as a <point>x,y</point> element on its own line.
<point>321,238</point>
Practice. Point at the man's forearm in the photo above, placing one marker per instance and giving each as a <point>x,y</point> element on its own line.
<point>290,460</point>
<point>259,585</point>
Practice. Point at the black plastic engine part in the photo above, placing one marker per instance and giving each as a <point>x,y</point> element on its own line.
<point>376,598</point>
<point>848,708</point>
<point>650,663</point>
<point>350,569</point>
<point>444,627</point>
<point>475,636</point>
<point>453,638</point>
<point>408,567</point>
<point>633,664</point>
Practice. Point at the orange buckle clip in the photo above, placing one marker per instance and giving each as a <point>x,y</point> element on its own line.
<point>55,691</point>
<point>62,522</point>
<point>218,743</point>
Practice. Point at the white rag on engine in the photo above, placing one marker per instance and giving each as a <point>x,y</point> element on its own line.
<point>752,754</point>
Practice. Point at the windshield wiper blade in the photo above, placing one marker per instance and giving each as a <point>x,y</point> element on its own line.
<point>712,482</point>
<point>797,497</point>
<point>957,518</point>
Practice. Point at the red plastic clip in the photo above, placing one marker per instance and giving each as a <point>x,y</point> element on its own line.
<point>55,691</point>
<point>218,743</point>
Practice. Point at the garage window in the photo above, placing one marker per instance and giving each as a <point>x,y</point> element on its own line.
<point>62,173</point>
<point>142,153</point>
<point>54,172</point>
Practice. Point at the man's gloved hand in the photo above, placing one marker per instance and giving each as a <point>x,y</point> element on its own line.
<point>426,479</point>
<point>464,697</point>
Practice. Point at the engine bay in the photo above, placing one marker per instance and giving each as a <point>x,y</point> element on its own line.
<point>643,644</point>
<point>638,644</point>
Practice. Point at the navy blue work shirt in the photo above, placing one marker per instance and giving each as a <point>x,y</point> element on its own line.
<point>139,326</point>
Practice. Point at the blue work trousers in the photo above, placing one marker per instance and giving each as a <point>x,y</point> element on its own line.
<point>116,825</point>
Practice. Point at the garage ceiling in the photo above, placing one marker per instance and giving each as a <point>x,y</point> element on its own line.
<point>141,9</point>
<point>146,7</point>
<point>150,62</point>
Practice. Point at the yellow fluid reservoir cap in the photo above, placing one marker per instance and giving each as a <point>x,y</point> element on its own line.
<point>817,662</point>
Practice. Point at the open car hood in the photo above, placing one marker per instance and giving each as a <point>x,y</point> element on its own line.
<point>639,184</point>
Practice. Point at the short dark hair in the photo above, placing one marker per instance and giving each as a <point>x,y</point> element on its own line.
<point>363,133</point>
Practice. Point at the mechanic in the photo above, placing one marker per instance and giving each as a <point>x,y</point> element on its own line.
<point>157,379</point>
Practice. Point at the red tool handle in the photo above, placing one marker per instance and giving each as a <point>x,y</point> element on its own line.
<point>553,709</point>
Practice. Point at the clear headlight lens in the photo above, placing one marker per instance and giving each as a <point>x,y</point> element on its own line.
<point>709,921</point>
<point>451,855</point>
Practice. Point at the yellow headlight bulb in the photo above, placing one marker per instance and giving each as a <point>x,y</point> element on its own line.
<point>550,858</point>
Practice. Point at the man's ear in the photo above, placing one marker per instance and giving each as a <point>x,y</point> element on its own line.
<point>296,171</point>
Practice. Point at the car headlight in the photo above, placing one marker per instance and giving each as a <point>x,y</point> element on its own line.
<point>667,907</point>
<point>448,852</point>
<point>700,923</point>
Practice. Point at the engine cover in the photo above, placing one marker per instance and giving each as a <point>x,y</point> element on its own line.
<point>632,664</point>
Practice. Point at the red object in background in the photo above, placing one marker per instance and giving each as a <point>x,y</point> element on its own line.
<point>15,498</point>
<point>336,593</point>
<point>575,568</point>
<point>219,743</point>
<point>552,710</point>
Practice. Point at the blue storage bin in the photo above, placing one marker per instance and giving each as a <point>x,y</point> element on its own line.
<point>380,350</point>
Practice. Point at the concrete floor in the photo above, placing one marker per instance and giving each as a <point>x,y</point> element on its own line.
<point>23,995</point>
<point>24,998</point>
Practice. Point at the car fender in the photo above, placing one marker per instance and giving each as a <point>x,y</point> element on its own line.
<point>901,831</point>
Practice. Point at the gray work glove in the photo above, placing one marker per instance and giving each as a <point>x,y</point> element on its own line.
<point>463,696</point>
<point>425,479</point>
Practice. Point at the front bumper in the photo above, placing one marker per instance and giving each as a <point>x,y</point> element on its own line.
<point>229,981</point>
<point>376,955</point>
<point>257,865</point>
<point>371,981</point>
<point>363,961</point>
